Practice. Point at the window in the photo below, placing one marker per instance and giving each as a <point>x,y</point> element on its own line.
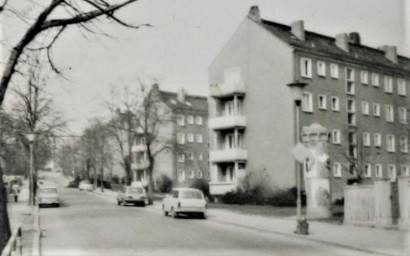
<point>337,170</point>
<point>389,111</point>
<point>199,120</point>
<point>199,174</point>
<point>181,157</point>
<point>390,142</point>
<point>181,175</point>
<point>376,109</point>
<point>334,70</point>
<point>306,67</point>
<point>379,171</point>
<point>190,156</point>
<point>350,81</point>
<point>180,120</point>
<point>366,139</point>
<point>321,68</point>
<point>388,84</point>
<point>322,101</point>
<point>351,106</point>
<point>181,138</point>
<point>191,174</point>
<point>403,115</point>
<point>368,171</point>
<point>404,145</point>
<point>405,170</point>
<point>377,140</point>
<point>364,77</point>
<point>307,102</point>
<point>351,119</point>
<point>336,138</point>
<point>190,119</point>
<point>199,138</point>
<point>190,137</point>
<point>335,103</point>
<point>200,156</point>
<point>375,79</point>
<point>401,87</point>
<point>365,108</point>
<point>392,172</point>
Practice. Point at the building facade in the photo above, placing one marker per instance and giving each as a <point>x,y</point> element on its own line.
<point>360,94</point>
<point>181,142</point>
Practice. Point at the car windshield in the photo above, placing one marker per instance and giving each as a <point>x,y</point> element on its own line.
<point>135,190</point>
<point>48,191</point>
<point>191,194</point>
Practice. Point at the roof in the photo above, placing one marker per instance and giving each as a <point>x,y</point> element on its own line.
<point>192,102</point>
<point>325,45</point>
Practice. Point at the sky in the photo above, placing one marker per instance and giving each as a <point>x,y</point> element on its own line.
<point>186,35</point>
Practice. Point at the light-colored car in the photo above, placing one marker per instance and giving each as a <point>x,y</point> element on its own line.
<point>47,195</point>
<point>188,201</point>
<point>132,195</point>
<point>85,185</point>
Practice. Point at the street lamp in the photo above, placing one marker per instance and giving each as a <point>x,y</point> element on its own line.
<point>31,137</point>
<point>297,95</point>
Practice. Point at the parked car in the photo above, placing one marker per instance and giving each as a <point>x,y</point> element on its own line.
<point>47,195</point>
<point>132,195</point>
<point>85,185</point>
<point>188,201</point>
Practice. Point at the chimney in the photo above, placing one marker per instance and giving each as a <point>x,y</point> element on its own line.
<point>342,41</point>
<point>390,52</point>
<point>181,95</point>
<point>354,38</point>
<point>254,13</point>
<point>298,30</point>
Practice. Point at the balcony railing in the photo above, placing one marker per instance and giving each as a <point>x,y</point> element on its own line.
<point>138,148</point>
<point>228,155</point>
<point>224,90</point>
<point>226,122</point>
<point>140,166</point>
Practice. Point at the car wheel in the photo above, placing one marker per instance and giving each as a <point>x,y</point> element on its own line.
<point>143,204</point>
<point>202,216</point>
<point>118,202</point>
<point>123,202</point>
<point>173,213</point>
<point>57,205</point>
<point>165,213</point>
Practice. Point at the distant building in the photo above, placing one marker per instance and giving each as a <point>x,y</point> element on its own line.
<point>360,94</point>
<point>185,132</point>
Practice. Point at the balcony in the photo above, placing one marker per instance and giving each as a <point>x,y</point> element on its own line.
<point>140,166</point>
<point>228,155</point>
<point>226,122</point>
<point>138,148</point>
<point>220,188</point>
<point>225,90</point>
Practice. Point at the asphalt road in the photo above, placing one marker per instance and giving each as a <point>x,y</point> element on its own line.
<point>86,224</point>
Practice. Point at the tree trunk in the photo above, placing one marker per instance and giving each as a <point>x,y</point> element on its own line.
<point>4,218</point>
<point>102,178</point>
<point>150,187</point>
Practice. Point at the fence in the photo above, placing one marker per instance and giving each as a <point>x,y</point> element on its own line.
<point>14,246</point>
<point>404,200</point>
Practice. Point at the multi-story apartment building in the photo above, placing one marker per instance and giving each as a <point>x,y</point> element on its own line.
<point>360,94</point>
<point>181,139</point>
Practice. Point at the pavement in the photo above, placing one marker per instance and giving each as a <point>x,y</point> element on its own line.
<point>361,238</point>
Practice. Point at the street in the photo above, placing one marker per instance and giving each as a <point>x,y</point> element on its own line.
<point>86,224</point>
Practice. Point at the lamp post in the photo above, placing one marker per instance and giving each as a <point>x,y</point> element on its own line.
<point>297,94</point>
<point>31,137</point>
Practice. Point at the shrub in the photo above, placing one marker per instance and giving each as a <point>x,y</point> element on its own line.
<point>164,184</point>
<point>115,179</point>
<point>74,183</point>
<point>202,185</point>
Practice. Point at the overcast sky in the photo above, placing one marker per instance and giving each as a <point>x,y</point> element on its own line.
<point>187,35</point>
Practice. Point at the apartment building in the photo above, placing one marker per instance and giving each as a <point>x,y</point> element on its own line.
<point>360,94</point>
<point>181,140</point>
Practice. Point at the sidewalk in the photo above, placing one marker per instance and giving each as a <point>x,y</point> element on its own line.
<point>366,239</point>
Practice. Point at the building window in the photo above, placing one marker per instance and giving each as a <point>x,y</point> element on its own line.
<point>190,119</point>
<point>199,138</point>
<point>180,120</point>
<point>366,139</point>
<point>388,84</point>
<point>200,156</point>
<point>379,171</point>
<point>190,156</point>
<point>375,79</point>
<point>376,109</point>
<point>334,70</point>
<point>337,170</point>
<point>351,106</point>
<point>336,138</point>
<point>403,115</point>
<point>181,157</point>
<point>389,111</point>
<point>335,103</point>
<point>306,67</point>
<point>377,140</point>
<point>350,88</point>
<point>181,175</point>
<point>322,101</point>
<point>368,171</point>
<point>364,77</point>
<point>199,120</point>
<point>405,170</point>
<point>191,174</point>
<point>321,68</point>
<point>199,174</point>
<point>401,87</point>
<point>390,143</point>
<point>181,138</point>
<point>307,102</point>
<point>365,108</point>
<point>351,119</point>
<point>404,145</point>
<point>392,172</point>
<point>190,137</point>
